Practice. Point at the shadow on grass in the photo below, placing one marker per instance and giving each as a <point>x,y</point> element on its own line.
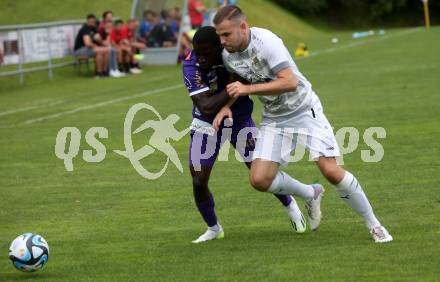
<point>40,275</point>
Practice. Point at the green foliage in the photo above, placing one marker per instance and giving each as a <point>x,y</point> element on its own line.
<point>368,11</point>
<point>303,6</point>
<point>377,8</point>
<point>380,8</point>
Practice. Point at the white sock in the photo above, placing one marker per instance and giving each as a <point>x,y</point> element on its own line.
<point>293,209</point>
<point>215,228</point>
<point>351,192</point>
<point>283,184</point>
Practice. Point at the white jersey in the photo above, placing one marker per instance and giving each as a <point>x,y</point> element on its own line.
<point>265,56</point>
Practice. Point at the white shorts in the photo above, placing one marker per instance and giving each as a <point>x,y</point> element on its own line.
<point>277,141</point>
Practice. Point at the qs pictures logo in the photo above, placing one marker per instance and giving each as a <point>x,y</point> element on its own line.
<point>204,144</point>
<point>163,132</point>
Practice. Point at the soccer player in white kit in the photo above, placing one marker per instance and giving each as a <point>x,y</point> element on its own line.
<point>292,114</point>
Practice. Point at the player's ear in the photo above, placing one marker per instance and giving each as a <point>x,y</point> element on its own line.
<point>243,25</point>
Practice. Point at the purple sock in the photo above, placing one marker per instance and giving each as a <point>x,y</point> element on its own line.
<point>206,209</point>
<point>284,199</point>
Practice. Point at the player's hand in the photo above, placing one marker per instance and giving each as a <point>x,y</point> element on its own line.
<point>221,115</point>
<point>236,89</point>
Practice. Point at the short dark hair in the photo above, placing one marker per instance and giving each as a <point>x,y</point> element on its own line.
<point>206,35</point>
<point>231,12</point>
<point>164,14</point>
<point>91,16</point>
<point>119,22</point>
<point>106,13</point>
<point>148,12</point>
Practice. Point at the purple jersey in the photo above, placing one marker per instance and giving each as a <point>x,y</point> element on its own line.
<point>213,80</point>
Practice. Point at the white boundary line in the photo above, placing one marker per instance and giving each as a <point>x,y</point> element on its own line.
<point>101,104</point>
<point>30,108</point>
<point>49,104</point>
<point>93,106</point>
<point>360,43</point>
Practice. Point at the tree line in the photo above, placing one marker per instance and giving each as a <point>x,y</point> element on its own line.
<point>363,12</point>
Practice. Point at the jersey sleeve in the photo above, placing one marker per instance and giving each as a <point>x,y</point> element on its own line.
<point>193,80</point>
<point>276,54</point>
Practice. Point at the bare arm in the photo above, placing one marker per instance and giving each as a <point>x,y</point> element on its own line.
<point>235,77</point>
<point>107,42</point>
<point>210,103</point>
<point>231,102</point>
<point>88,41</point>
<point>224,112</point>
<point>286,81</point>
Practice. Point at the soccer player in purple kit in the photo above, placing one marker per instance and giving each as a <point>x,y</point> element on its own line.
<point>206,79</point>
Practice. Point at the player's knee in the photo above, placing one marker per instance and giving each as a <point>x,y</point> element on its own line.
<point>260,182</point>
<point>334,174</point>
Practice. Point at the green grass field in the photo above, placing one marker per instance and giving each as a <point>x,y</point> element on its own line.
<point>104,222</point>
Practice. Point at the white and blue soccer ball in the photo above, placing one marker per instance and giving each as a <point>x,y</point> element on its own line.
<point>29,252</point>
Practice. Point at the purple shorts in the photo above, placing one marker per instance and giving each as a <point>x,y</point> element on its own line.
<point>204,148</point>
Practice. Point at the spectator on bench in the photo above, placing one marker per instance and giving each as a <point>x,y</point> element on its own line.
<point>176,19</point>
<point>85,46</point>
<point>107,16</point>
<point>147,24</point>
<point>135,42</point>
<point>105,41</point>
<point>123,39</point>
<point>162,35</point>
<point>123,50</point>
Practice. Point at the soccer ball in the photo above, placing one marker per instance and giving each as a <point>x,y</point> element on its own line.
<point>29,252</point>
